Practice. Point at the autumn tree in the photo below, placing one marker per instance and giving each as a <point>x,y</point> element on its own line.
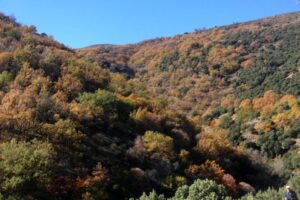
<point>215,145</point>
<point>158,145</point>
<point>209,170</point>
<point>70,85</point>
<point>95,185</point>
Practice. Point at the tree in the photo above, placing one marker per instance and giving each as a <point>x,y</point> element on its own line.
<point>201,189</point>
<point>28,54</point>
<point>91,75</point>
<point>138,151</point>
<point>26,75</point>
<point>5,78</point>
<point>263,195</point>
<point>209,170</point>
<point>145,120</point>
<point>274,143</point>
<point>295,183</point>
<point>291,160</point>
<point>67,140</point>
<point>173,182</point>
<point>215,145</point>
<point>96,184</point>
<point>51,65</point>
<point>101,98</point>
<point>294,129</point>
<point>114,109</point>
<point>70,85</point>
<point>158,145</point>
<point>269,98</point>
<point>5,61</point>
<point>230,183</point>
<point>25,169</point>
<point>152,196</point>
<point>225,121</point>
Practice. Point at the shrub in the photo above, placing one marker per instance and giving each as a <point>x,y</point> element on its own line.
<point>152,196</point>
<point>295,183</point>
<point>173,182</point>
<point>225,121</point>
<point>274,143</point>
<point>263,195</point>
<point>294,129</point>
<point>5,77</point>
<point>200,189</point>
<point>13,34</point>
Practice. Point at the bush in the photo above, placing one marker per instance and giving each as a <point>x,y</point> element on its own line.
<point>292,160</point>
<point>6,59</point>
<point>173,182</point>
<point>274,143</point>
<point>264,195</point>
<point>13,34</point>
<point>294,129</point>
<point>28,54</point>
<point>5,77</point>
<point>225,121</point>
<point>216,113</point>
<point>152,196</point>
<point>295,184</point>
<point>200,189</point>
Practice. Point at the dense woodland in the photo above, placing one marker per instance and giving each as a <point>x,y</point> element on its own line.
<point>213,114</point>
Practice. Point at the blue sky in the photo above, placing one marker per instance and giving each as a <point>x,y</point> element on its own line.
<point>79,23</point>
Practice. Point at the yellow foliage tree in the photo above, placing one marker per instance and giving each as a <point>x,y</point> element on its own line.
<point>158,145</point>
<point>287,115</point>
<point>215,144</point>
<point>265,104</point>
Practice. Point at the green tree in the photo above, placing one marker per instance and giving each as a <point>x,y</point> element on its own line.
<point>263,195</point>
<point>295,183</point>
<point>173,182</point>
<point>91,75</point>
<point>225,121</point>
<point>5,78</point>
<point>274,143</point>
<point>25,169</point>
<point>101,98</point>
<point>152,196</point>
<point>201,189</point>
<point>114,109</point>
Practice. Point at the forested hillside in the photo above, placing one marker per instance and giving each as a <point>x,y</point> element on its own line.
<point>213,114</point>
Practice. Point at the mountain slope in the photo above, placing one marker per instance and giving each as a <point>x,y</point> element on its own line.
<point>188,67</point>
<point>111,122</point>
<point>242,79</point>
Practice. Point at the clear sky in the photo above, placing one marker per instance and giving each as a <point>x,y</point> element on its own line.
<point>79,23</point>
